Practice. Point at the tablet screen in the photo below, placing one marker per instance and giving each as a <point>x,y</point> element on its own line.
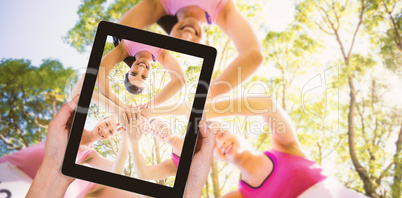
<point>158,81</point>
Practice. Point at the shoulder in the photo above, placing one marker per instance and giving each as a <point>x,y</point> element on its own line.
<point>229,9</point>
<point>234,194</point>
<point>90,155</point>
<point>156,5</point>
<point>294,150</point>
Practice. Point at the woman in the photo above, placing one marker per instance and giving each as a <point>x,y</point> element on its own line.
<point>188,16</point>
<point>51,183</point>
<point>28,160</point>
<point>138,57</point>
<point>283,170</point>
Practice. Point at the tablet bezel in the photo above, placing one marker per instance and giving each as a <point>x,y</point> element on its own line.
<point>70,168</point>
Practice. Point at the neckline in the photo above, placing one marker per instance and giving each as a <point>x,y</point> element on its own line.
<point>272,171</point>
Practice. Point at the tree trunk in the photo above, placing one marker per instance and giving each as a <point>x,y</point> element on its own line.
<point>396,186</point>
<point>215,178</point>
<point>363,174</point>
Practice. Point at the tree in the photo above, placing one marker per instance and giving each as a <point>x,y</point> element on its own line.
<point>290,51</point>
<point>30,97</point>
<point>387,20</point>
<point>342,21</point>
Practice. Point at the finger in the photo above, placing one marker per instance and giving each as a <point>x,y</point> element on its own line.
<point>66,112</point>
<point>138,114</point>
<point>206,139</point>
<point>126,119</point>
<point>134,112</point>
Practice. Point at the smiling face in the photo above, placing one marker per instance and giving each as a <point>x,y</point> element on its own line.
<point>227,145</point>
<point>188,29</point>
<point>139,71</point>
<point>105,129</point>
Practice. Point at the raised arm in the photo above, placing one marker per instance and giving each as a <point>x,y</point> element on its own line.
<point>249,51</point>
<point>115,56</point>
<point>167,110</point>
<point>177,80</point>
<point>283,134</point>
<point>143,171</point>
<point>144,14</point>
<point>122,154</point>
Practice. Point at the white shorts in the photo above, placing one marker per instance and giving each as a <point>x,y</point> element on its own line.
<point>330,188</point>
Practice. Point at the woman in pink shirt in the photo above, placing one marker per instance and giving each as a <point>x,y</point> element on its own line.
<point>283,171</point>
<point>138,57</point>
<point>28,160</point>
<point>188,17</point>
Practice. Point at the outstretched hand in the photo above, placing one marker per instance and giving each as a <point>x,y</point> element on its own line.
<point>135,124</point>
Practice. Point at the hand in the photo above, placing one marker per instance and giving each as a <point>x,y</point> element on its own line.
<point>49,181</point>
<point>145,113</point>
<point>201,162</point>
<point>135,125</point>
<point>160,130</point>
<point>121,114</point>
<point>145,105</point>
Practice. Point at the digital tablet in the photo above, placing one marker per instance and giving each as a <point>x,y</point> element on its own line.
<point>136,83</point>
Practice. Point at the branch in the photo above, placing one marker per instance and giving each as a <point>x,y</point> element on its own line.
<point>385,171</point>
<point>357,28</point>
<point>10,144</point>
<point>39,124</point>
<point>333,149</point>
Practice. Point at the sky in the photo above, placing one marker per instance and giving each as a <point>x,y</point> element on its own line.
<point>34,29</point>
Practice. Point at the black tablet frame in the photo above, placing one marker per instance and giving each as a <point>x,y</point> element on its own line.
<point>70,168</point>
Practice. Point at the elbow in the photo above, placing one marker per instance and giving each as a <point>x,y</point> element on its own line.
<point>256,56</point>
<point>253,56</point>
<point>180,81</point>
<point>143,175</point>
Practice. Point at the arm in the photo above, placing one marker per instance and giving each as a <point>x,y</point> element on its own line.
<point>234,194</point>
<point>201,163</point>
<point>144,14</point>
<point>249,51</point>
<point>167,110</point>
<point>153,172</point>
<point>117,166</point>
<point>122,154</point>
<point>177,80</point>
<point>283,134</point>
<point>116,55</point>
<point>49,181</point>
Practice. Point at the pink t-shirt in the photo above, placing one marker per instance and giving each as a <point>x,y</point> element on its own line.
<point>79,188</point>
<point>28,160</point>
<point>290,177</point>
<point>133,48</point>
<point>176,160</point>
<point>211,7</point>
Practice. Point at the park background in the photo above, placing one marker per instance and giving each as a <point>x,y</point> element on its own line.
<point>334,66</point>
